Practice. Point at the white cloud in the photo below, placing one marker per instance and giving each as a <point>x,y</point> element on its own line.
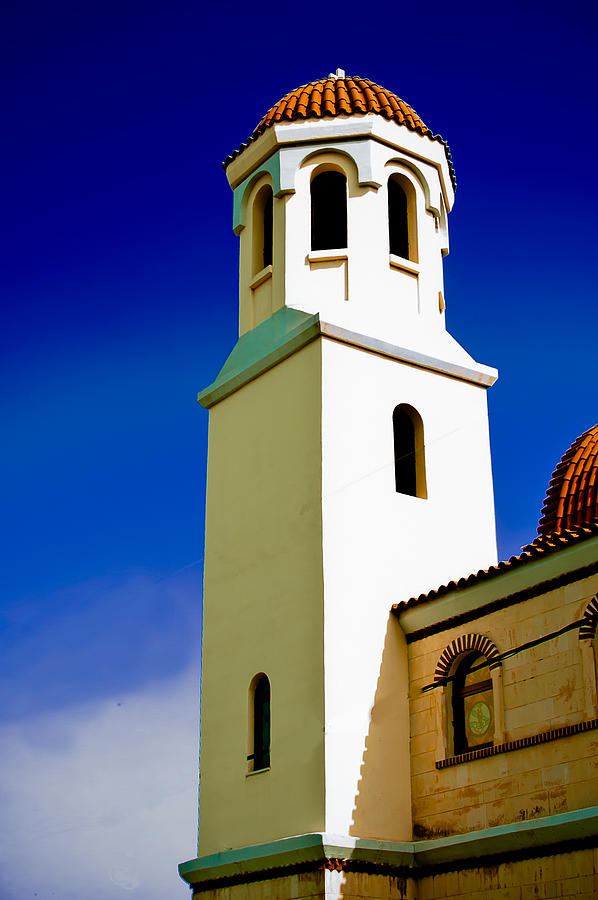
<point>100,800</point>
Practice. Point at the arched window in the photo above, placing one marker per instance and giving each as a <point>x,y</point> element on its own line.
<point>262,229</point>
<point>402,227</point>
<point>398,226</point>
<point>328,211</point>
<point>259,724</point>
<point>410,464</point>
<point>473,705</point>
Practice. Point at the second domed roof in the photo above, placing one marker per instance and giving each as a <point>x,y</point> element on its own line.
<point>338,95</point>
<point>572,495</point>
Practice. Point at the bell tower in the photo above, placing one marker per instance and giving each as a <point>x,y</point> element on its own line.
<point>348,469</point>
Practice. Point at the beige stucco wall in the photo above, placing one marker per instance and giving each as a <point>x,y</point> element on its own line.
<point>543,688</point>
<point>263,608</point>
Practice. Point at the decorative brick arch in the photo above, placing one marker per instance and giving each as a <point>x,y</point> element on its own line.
<point>589,622</point>
<point>464,644</point>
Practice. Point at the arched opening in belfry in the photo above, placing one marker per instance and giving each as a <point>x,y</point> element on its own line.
<point>328,211</point>
<point>262,229</point>
<point>402,225</point>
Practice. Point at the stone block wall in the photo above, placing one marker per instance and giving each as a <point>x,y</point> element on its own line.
<point>543,689</point>
<point>563,875</point>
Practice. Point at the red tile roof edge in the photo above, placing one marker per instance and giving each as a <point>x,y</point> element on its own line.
<point>333,97</point>
<point>542,546</point>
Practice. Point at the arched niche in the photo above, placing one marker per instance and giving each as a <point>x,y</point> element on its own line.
<point>259,725</point>
<point>268,170</point>
<point>328,209</point>
<point>409,451</point>
<point>262,228</point>
<point>414,173</point>
<point>402,217</point>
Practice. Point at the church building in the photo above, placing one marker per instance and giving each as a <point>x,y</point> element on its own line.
<point>377,721</point>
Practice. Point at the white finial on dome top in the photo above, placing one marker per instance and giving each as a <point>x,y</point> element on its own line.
<point>340,73</point>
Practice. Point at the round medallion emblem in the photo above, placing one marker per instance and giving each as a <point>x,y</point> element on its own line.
<point>479,718</point>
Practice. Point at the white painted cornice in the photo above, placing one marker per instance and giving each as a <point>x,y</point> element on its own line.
<point>350,128</point>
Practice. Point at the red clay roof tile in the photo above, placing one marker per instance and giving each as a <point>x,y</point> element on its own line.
<point>340,96</point>
<point>343,100</point>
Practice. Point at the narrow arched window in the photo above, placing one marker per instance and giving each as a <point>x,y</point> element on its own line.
<point>328,211</point>
<point>398,225</point>
<point>259,724</point>
<point>402,227</point>
<point>410,464</point>
<point>473,706</point>
<point>262,229</point>
<point>267,242</point>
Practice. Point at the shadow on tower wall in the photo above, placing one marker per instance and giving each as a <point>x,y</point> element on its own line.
<point>382,809</point>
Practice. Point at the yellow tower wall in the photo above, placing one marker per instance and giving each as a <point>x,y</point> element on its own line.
<point>263,607</point>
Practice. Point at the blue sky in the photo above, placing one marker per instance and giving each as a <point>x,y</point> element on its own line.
<point>118,283</point>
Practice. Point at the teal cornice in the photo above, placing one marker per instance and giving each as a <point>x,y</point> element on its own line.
<point>535,837</point>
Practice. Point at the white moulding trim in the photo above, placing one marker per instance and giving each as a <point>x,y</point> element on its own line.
<point>341,130</point>
<point>485,376</point>
<point>359,152</point>
<point>332,255</point>
<point>406,265</point>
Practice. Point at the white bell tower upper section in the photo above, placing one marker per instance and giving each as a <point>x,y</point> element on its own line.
<point>341,198</point>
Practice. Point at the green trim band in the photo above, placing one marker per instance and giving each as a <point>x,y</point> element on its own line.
<point>535,836</point>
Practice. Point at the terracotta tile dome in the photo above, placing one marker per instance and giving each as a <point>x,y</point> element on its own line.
<point>338,95</point>
<point>572,495</point>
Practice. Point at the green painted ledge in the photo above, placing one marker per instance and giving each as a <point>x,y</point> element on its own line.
<point>258,350</point>
<point>535,836</point>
